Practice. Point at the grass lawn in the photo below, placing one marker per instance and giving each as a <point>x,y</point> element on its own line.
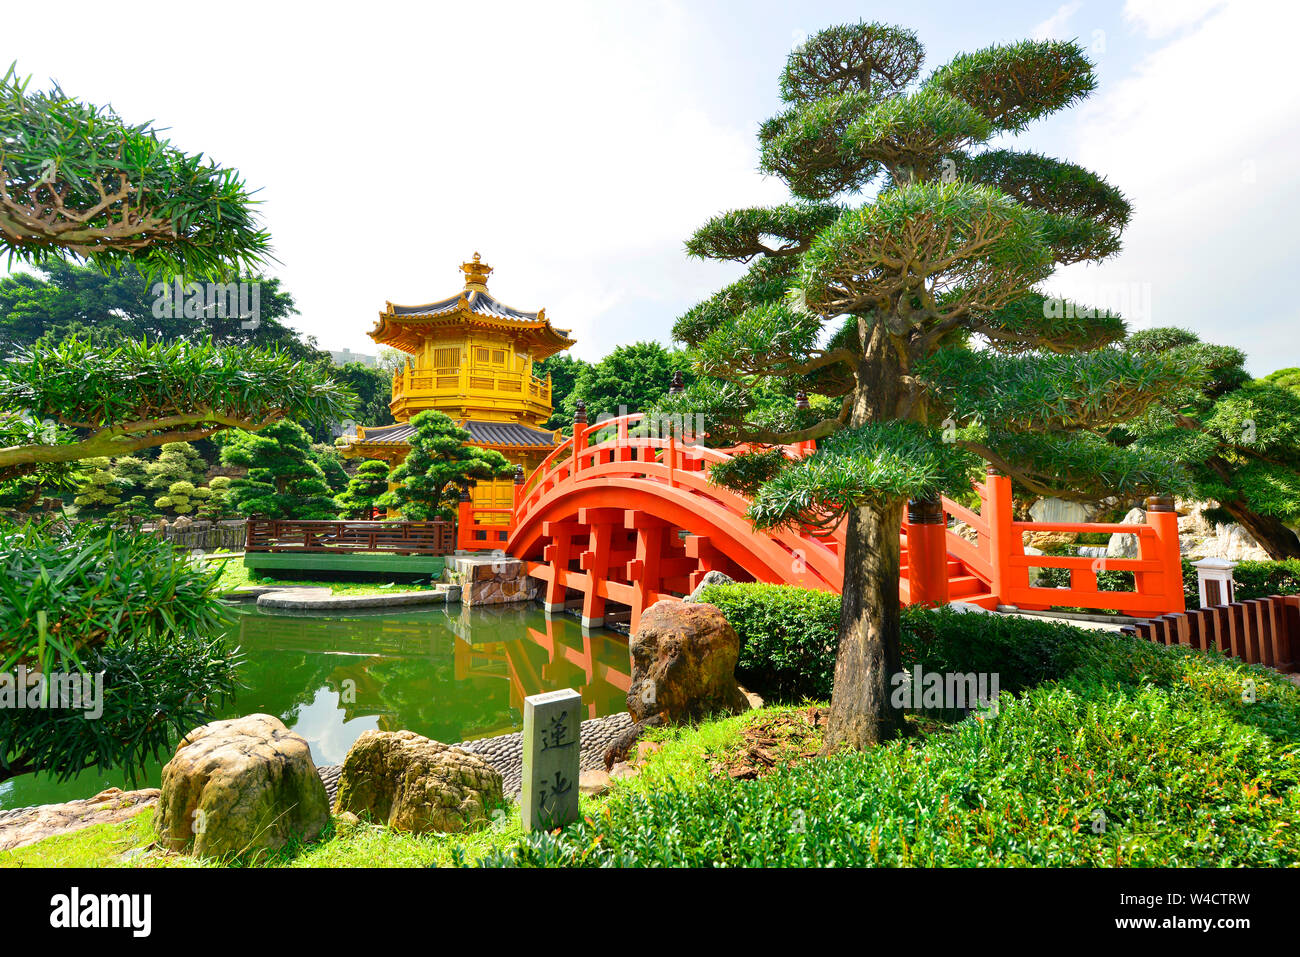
<point>235,575</point>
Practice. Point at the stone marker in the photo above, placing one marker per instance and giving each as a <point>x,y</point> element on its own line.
<point>552,747</point>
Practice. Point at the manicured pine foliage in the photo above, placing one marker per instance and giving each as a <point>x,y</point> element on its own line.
<point>129,605</point>
<point>77,178</point>
<point>1238,439</point>
<point>75,400</point>
<point>365,487</point>
<point>438,468</point>
<point>875,302</point>
<point>283,479</point>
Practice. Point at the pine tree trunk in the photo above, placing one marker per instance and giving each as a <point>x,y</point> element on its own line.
<point>1275,538</point>
<point>868,656</point>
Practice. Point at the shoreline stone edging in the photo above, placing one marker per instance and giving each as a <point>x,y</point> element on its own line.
<point>505,753</point>
<point>322,599</point>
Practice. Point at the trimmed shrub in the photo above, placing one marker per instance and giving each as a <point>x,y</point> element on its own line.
<point>789,636</point>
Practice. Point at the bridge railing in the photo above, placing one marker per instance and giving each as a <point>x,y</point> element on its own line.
<point>998,555</point>
<point>993,550</point>
<point>412,538</point>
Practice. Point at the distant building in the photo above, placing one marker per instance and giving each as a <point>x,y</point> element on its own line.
<point>472,357</point>
<point>347,355</point>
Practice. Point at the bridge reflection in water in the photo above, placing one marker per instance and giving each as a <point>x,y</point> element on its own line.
<point>452,674</point>
<point>449,673</point>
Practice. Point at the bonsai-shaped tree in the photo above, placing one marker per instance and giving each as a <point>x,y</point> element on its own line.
<point>183,497</point>
<point>176,462</point>
<point>217,504</point>
<point>331,465</point>
<point>101,489</point>
<point>908,241</point>
<point>364,489</point>
<point>283,481</point>
<point>1240,440</point>
<point>74,400</point>
<point>438,468</point>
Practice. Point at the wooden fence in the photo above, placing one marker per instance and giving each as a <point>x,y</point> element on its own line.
<point>207,537</point>
<point>405,538</point>
<point>1262,631</point>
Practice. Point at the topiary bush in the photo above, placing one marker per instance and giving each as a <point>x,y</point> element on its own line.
<point>788,640</point>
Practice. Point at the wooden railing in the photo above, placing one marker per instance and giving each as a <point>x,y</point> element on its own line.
<point>406,538</point>
<point>1263,631</point>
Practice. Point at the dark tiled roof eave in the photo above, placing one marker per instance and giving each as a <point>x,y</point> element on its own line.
<point>481,433</point>
<point>480,303</point>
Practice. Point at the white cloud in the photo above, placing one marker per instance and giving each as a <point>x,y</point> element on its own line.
<point>1054,27</point>
<point>1160,18</point>
<point>1213,243</point>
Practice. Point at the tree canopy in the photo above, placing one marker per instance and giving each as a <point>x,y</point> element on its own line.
<point>438,468</point>
<point>1238,439</point>
<point>909,240</point>
<point>75,400</point>
<point>632,378</point>
<point>284,480</point>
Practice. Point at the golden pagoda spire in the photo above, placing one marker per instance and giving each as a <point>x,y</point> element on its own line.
<point>476,274</point>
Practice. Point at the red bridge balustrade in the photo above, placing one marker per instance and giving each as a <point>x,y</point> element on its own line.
<point>632,518</point>
<point>406,538</point>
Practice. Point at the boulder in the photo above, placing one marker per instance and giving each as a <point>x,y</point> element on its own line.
<point>710,578</point>
<point>1126,546</point>
<point>414,784</point>
<point>684,664</point>
<point>1059,510</point>
<point>237,786</point>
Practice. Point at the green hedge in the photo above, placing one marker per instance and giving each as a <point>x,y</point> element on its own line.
<point>788,639</point>
<point>1156,743</point>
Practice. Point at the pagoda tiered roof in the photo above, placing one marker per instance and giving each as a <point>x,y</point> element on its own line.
<point>406,327</point>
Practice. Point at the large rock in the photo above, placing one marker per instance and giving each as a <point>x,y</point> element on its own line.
<point>684,664</point>
<point>238,786</point>
<point>414,784</point>
<point>1059,510</point>
<point>714,577</point>
<point>1126,546</point>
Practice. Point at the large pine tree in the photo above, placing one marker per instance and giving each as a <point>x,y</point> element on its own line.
<point>910,241</point>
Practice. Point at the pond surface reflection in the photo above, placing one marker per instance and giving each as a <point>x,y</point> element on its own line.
<point>451,674</point>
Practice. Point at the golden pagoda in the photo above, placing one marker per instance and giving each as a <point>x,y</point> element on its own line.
<point>472,358</point>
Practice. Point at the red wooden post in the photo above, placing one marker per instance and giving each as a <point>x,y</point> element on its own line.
<point>579,435</point>
<point>1164,520</point>
<point>927,552</point>
<point>465,522</point>
<point>997,512</point>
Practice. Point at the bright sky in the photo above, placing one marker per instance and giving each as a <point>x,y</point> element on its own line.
<point>577,146</point>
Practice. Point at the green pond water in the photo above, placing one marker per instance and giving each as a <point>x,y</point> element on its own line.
<point>451,674</point>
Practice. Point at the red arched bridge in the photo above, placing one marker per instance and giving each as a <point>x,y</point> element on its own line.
<point>616,518</point>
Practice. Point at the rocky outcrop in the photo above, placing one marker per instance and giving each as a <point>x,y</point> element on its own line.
<point>29,825</point>
<point>710,578</point>
<point>238,786</point>
<point>684,664</point>
<point>491,579</point>
<point>411,783</point>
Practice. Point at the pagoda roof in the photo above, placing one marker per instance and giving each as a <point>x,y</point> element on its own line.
<point>405,327</point>
<point>498,434</point>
